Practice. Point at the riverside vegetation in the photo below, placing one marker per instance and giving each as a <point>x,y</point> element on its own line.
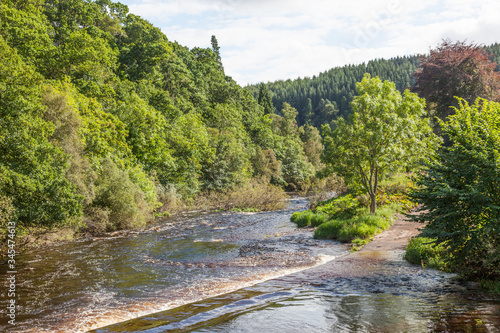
<point>105,124</point>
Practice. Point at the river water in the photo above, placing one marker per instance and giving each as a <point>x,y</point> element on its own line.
<point>237,272</point>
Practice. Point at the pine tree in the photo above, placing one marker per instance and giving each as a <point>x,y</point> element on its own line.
<point>265,100</point>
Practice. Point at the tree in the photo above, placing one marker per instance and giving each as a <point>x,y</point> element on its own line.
<point>265,99</point>
<point>216,50</point>
<point>32,169</point>
<point>460,191</point>
<point>385,132</point>
<point>455,69</point>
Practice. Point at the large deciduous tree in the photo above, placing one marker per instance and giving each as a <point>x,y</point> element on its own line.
<point>456,69</point>
<point>385,132</point>
<point>460,191</point>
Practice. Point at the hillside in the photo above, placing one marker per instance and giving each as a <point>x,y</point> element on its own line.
<point>321,98</point>
<point>104,121</point>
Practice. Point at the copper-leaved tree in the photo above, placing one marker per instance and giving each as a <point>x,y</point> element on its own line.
<point>454,70</point>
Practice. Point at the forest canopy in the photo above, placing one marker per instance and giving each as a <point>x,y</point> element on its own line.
<point>104,120</point>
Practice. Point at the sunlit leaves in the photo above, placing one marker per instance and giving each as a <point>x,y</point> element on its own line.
<point>385,132</point>
<point>460,190</point>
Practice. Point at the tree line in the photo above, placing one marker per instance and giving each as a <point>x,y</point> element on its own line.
<point>105,121</point>
<point>325,97</point>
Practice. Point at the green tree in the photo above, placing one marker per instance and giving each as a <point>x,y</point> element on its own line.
<point>385,132</point>
<point>32,169</point>
<point>265,100</point>
<point>460,191</point>
<point>216,50</point>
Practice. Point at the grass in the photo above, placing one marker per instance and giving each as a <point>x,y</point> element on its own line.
<point>423,251</point>
<point>346,218</point>
<point>360,228</point>
<point>491,286</point>
<point>308,218</point>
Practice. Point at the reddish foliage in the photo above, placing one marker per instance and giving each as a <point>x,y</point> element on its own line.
<point>456,69</point>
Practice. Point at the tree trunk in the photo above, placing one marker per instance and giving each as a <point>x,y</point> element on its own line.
<point>373,202</point>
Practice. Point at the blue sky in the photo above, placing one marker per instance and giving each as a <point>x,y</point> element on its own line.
<point>267,40</point>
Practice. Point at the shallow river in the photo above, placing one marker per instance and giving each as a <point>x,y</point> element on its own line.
<point>236,272</point>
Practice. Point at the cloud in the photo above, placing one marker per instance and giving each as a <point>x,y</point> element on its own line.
<point>263,40</point>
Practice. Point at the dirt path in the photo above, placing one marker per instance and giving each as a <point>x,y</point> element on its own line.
<point>396,237</point>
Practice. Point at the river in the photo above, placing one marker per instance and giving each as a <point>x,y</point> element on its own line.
<point>237,272</point>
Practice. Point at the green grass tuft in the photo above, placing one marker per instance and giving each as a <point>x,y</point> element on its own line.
<point>302,219</point>
<point>423,251</point>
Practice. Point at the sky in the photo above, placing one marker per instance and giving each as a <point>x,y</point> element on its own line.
<point>269,40</point>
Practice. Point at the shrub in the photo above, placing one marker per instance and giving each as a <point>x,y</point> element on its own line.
<point>459,191</point>
<point>329,230</point>
<point>424,251</point>
<point>356,230</point>
<point>303,219</point>
<point>318,219</point>
<point>344,205</point>
<point>254,195</point>
<point>170,199</point>
<point>127,204</point>
<point>362,226</point>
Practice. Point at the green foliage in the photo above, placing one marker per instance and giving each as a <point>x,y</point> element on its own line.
<point>459,191</point>
<point>361,226</point>
<point>492,286</point>
<point>126,202</point>
<point>302,219</point>
<point>337,86</point>
<point>318,219</point>
<point>424,251</point>
<point>384,133</point>
<point>308,218</point>
<point>31,168</point>
<point>102,118</point>
<point>341,206</point>
<point>326,96</point>
<point>329,230</point>
<point>264,99</point>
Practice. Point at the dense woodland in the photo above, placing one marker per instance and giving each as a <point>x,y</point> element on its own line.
<point>322,98</point>
<point>104,121</point>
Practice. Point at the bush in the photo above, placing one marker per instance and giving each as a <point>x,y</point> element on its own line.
<point>356,230</point>
<point>342,206</point>
<point>122,204</point>
<point>460,195</point>
<point>318,219</point>
<point>254,195</point>
<point>424,251</point>
<point>362,226</point>
<point>302,219</point>
<point>329,230</point>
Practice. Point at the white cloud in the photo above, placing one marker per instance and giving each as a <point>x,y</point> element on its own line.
<point>264,40</point>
